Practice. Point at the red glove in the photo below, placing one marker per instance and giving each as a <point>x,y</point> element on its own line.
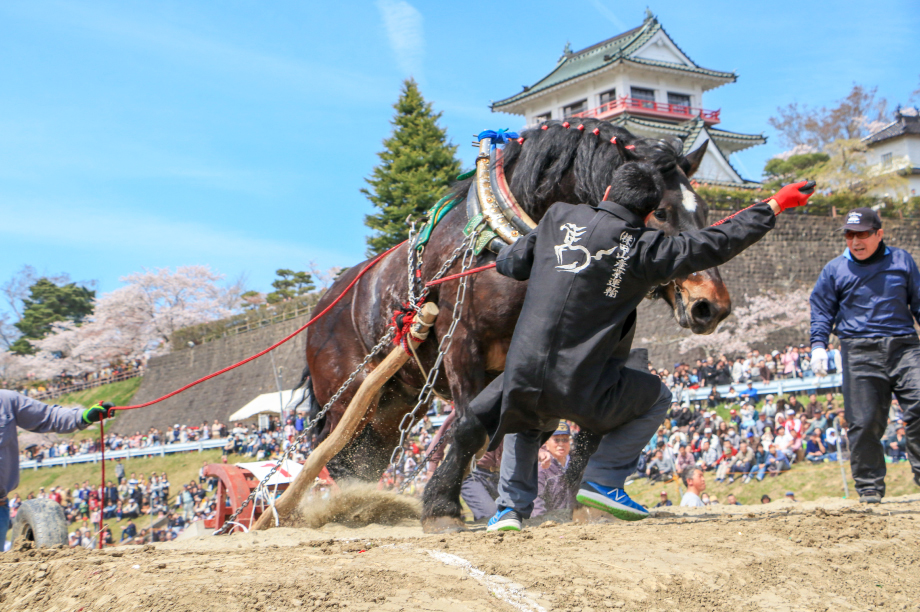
<point>794,194</point>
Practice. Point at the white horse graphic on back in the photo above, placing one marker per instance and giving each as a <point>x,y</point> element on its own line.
<point>572,234</point>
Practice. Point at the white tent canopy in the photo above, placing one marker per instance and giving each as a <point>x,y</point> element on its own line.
<point>269,403</point>
<point>285,474</point>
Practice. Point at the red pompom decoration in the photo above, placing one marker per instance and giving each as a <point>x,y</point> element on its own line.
<point>613,140</point>
<point>596,131</point>
<point>630,147</point>
<point>581,127</point>
<point>565,124</point>
<point>520,141</point>
<point>545,127</point>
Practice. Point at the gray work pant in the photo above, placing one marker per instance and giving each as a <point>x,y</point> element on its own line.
<point>873,369</point>
<point>479,490</point>
<point>616,458</point>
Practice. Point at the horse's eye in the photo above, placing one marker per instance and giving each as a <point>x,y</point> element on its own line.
<point>661,214</point>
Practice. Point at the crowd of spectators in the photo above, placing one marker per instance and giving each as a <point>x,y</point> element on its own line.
<point>737,437</point>
<point>61,385</point>
<point>135,498</point>
<point>153,438</point>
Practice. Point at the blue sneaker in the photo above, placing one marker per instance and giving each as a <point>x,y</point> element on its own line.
<point>506,519</point>
<point>614,501</point>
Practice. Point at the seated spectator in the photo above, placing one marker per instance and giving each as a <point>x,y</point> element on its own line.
<point>790,496</point>
<point>684,459</point>
<point>750,393</point>
<point>765,499</point>
<point>897,446</point>
<point>664,502</point>
<point>696,484</point>
<point>724,461</point>
<point>731,500</point>
<point>709,456</point>
<point>815,451</point>
<point>131,509</point>
<point>742,462</point>
<point>129,532</point>
<point>659,469</point>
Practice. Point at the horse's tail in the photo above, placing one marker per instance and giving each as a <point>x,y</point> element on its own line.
<point>309,398</point>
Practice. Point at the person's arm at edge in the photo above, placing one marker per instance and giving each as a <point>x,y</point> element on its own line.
<point>35,416</point>
<point>669,257</point>
<point>824,307</point>
<point>913,289</point>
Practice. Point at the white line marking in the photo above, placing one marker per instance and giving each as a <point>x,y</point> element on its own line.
<point>689,198</point>
<point>499,586</point>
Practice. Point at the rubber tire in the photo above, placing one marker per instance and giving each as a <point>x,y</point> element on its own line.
<point>41,521</point>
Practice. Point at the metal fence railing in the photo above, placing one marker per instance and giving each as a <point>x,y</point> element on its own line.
<point>777,387</point>
<point>127,453</point>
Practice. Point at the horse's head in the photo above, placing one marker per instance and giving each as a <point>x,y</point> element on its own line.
<point>699,301</point>
<point>574,160</point>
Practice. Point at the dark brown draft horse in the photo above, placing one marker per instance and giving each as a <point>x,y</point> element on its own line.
<point>556,162</point>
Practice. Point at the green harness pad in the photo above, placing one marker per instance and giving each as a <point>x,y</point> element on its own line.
<point>432,217</point>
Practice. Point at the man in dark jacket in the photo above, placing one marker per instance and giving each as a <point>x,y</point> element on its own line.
<point>589,268</point>
<point>870,297</point>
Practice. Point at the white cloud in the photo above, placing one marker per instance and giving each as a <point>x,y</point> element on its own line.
<point>403,24</point>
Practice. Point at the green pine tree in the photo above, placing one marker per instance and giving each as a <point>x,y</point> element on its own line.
<point>49,303</point>
<point>289,285</point>
<point>417,165</point>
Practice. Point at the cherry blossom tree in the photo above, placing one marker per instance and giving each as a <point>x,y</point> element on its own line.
<point>752,323</point>
<point>135,320</point>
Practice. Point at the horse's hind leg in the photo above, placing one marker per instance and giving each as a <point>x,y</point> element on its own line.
<point>585,445</point>
<point>441,509</point>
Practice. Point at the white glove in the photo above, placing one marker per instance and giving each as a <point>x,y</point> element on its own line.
<point>819,361</point>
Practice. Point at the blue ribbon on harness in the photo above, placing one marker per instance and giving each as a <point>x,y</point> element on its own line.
<point>499,137</point>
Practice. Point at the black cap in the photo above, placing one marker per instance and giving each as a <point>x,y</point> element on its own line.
<point>862,219</point>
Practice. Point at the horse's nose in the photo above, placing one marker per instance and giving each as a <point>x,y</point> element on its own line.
<point>705,315</point>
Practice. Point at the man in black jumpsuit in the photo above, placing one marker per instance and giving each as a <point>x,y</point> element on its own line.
<point>589,268</point>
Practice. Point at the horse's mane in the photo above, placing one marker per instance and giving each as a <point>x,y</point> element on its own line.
<point>556,162</point>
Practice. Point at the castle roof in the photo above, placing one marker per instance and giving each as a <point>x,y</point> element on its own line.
<point>908,122</point>
<point>622,49</point>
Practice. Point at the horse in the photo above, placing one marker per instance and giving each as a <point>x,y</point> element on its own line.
<point>555,161</point>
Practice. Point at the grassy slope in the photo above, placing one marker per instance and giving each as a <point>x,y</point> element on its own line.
<point>119,393</point>
<point>808,482</point>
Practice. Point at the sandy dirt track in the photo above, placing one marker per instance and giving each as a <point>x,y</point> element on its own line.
<point>825,555</point>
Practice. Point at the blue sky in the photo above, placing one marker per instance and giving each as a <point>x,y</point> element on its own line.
<point>237,134</point>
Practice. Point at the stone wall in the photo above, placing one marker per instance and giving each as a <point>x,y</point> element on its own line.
<point>221,397</point>
<point>789,257</point>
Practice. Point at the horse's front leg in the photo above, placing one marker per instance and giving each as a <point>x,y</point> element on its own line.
<point>441,509</point>
<point>465,370</point>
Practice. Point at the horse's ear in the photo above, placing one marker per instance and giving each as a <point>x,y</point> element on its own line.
<point>691,162</point>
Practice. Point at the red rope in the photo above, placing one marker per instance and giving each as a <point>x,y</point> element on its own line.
<point>102,497</point>
<point>272,347</point>
<point>733,214</point>
<point>454,276</point>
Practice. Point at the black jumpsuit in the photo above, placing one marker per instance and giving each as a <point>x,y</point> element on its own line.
<point>589,267</point>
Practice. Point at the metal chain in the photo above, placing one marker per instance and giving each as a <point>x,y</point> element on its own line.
<point>424,461</point>
<point>410,418</point>
<point>384,341</point>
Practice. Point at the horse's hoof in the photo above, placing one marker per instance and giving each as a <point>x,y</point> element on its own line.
<point>443,524</point>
